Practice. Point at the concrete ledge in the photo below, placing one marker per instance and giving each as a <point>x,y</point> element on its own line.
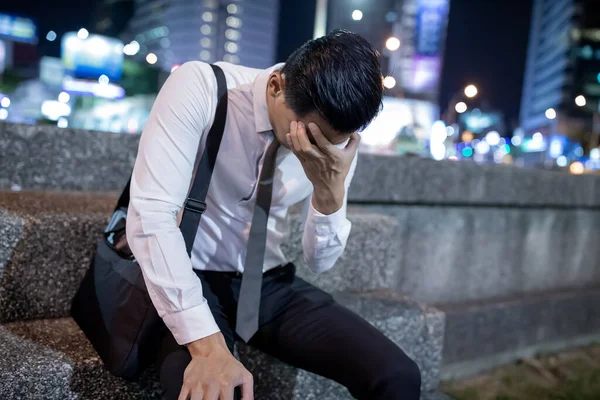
<point>481,336</point>
<point>454,255</point>
<point>46,157</point>
<point>49,244</point>
<point>54,360</point>
<point>413,180</point>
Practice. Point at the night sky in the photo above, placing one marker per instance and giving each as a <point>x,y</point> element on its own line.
<point>58,15</point>
<point>486,44</point>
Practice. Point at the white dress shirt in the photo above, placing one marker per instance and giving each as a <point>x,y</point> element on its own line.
<point>172,138</point>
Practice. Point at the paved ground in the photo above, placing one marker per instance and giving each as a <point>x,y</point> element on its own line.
<point>570,375</point>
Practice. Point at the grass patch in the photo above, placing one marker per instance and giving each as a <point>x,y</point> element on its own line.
<point>570,375</point>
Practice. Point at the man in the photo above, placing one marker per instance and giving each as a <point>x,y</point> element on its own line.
<point>312,107</point>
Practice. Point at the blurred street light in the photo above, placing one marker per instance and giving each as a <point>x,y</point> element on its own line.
<point>471,91</point>
<point>151,58</point>
<point>551,113</point>
<point>389,82</point>
<point>357,15</point>
<point>392,43</point>
<point>492,138</point>
<point>562,161</point>
<point>83,34</point>
<point>577,168</point>
<point>62,122</point>
<point>391,16</point>
<point>132,48</point>
<point>64,97</point>
<point>51,36</point>
<point>482,147</point>
<point>461,107</point>
<point>5,102</point>
<point>467,136</point>
<point>580,101</point>
<point>457,105</point>
<point>103,80</point>
<point>3,114</point>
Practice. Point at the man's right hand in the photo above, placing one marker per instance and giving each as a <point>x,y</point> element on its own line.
<point>214,372</point>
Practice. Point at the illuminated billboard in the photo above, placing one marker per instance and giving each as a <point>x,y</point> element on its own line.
<point>17,29</point>
<point>92,57</point>
<point>402,126</point>
<point>418,62</point>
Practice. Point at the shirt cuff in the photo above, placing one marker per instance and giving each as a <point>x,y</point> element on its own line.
<point>192,324</point>
<point>334,220</point>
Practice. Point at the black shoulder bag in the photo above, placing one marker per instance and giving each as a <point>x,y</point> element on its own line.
<point>112,306</point>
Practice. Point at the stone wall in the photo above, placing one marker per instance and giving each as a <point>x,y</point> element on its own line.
<point>473,240</point>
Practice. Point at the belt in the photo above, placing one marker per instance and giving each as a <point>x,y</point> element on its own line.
<point>238,274</point>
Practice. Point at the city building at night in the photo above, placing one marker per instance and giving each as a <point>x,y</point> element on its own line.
<point>410,35</point>
<point>171,32</point>
<point>111,16</point>
<point>561,90</point>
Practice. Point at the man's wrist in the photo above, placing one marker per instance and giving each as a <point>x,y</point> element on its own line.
<point>329,199</point>
<point>208,345</point>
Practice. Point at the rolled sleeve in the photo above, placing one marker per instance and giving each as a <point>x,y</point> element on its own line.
<point>325,236</point>
<point>191,324</point>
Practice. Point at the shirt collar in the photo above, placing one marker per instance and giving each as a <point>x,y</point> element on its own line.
<point>259,94</point>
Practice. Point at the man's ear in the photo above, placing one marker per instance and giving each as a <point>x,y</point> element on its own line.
<point>275,84</point>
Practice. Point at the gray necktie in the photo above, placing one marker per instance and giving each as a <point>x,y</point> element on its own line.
<point>250,291</point>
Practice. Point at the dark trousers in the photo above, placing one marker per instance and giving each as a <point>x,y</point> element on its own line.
<point>302,326</point>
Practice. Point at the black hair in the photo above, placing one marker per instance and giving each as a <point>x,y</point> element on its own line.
<point>337,75</point>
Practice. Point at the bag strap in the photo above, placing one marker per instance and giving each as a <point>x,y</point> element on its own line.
<point>195,205</point>
<point>123,201</point>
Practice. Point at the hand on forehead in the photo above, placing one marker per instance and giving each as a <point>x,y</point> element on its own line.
<point>315,122</point>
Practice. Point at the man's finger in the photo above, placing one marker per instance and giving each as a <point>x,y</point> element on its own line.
<point>353,142</point>
<point>248,388</point>
<point>198,396</point>
<point>211,394</point>
<point>305,144</point>
<point>184,394</point>
<point>294,135</point>
<point>226,394</point>
<point>321,140</point>
<point>291,146</point>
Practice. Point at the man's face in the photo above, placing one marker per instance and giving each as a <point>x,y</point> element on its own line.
<point>281,116</point>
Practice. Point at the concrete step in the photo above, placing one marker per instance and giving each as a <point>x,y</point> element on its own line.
<point>49,245</point>
<point>51,359</point>
<point>47,241</point>
<point>480,336</point>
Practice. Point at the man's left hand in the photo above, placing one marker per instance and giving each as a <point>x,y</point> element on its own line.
<point>325,165</point>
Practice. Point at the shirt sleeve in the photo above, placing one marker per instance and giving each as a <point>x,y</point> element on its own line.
<point>325,236</point>
<point>159,185</point>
